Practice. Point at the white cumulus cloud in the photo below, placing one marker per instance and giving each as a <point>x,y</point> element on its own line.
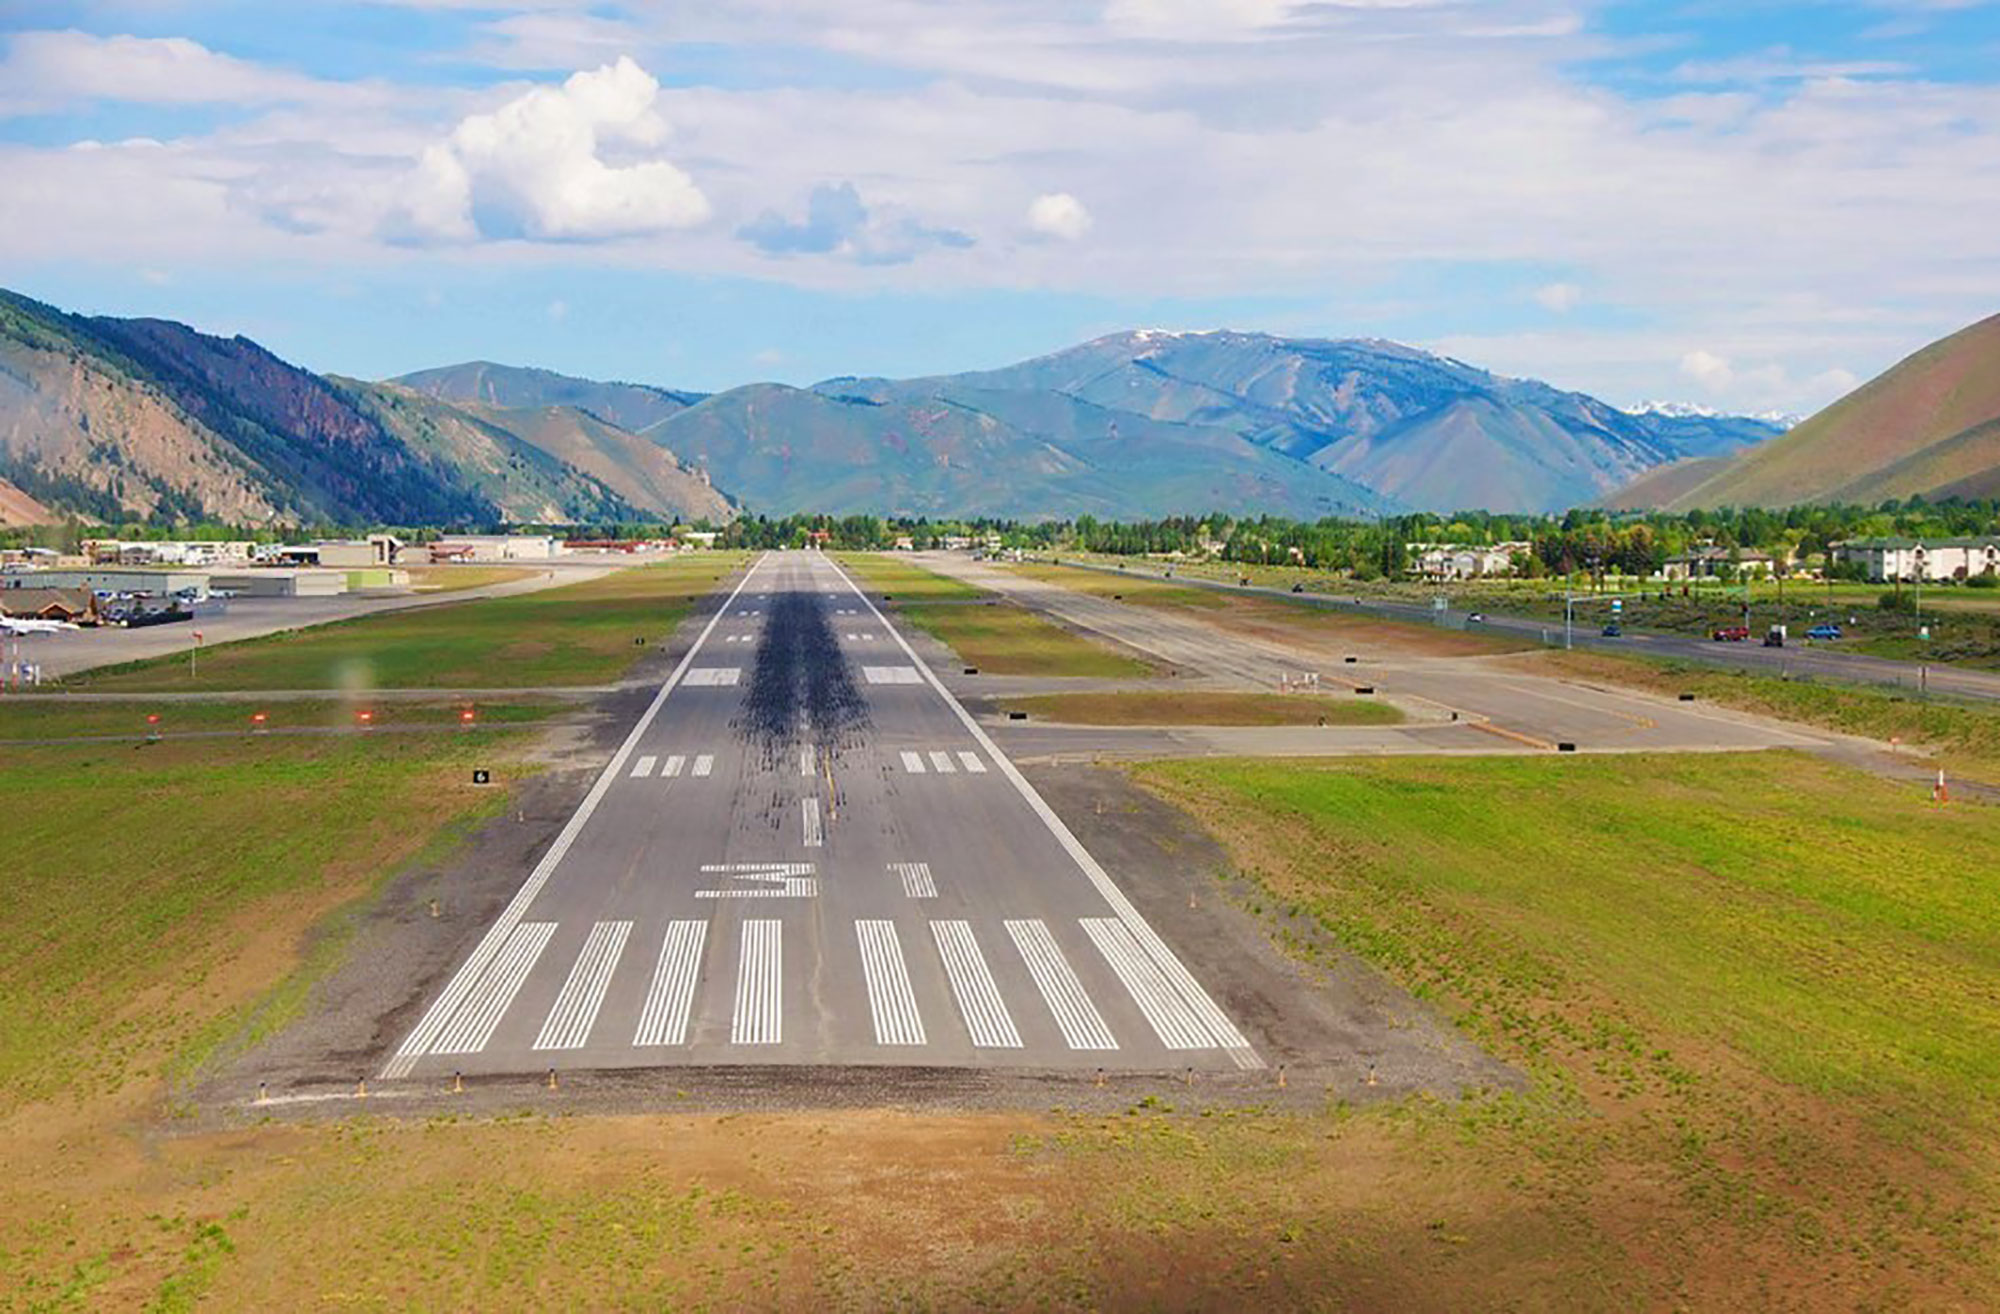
<point>1561,298</point>
<point>568,163</point>
<point>1060,215</point>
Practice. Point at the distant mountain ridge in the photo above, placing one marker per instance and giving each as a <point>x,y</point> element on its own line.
<point>1929,427</point>
<point>1155,422</point>
<point>114,418</point>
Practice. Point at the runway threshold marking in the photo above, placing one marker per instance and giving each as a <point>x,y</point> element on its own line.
<point>913,763</point>
<point>569,1021</point>
<point>487,1002</point>
<point>918,883</point>
<point>759,1016</point>
<point>972,762</point>
<point>670,998</point>
<point>1222,1031</point>
<point>439,1015</point>
<point>986,1018</point>
<point>890,998</point>
<point>1076,1017</point>
<point>645,767</point>
<point>673,766</point>
<point>941,762</point>
<point>1169,1016</point>
<point>704,763</point>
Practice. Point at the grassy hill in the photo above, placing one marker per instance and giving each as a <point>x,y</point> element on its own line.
<point>1929,426</point>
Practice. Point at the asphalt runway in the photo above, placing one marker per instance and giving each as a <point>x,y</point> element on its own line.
<point>807,852</point>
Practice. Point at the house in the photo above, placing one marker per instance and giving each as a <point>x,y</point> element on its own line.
<point>1462,561</point>
<point>1717,562</point>
<point>76,606</point>
<point>1921,559</point>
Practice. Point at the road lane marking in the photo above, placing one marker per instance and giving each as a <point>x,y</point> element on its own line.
<point>917,880</point>
<point>890,998</point>
<point>972,762</point>
<point>670,998</point>
<point>715,675</point>
<point>891,675</point>
<point>1213,1018</point>
<point>446,1005</point>
<point>913,763</point>
<point>1081,1024</point>
<point>1170,1017</point>
<point>487,1004</point>
<point>645,767</point>
<point>704,763</point>
<point>759,985</point>
<point>979,1002</point>
<point>569,1020</point>
<point>941,762</point>
<point>809,816</point>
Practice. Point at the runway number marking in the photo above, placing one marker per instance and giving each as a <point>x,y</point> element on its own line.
<point>890,998</point>
<point>979,1002</point>
<point>568,1024</point>
<point>759,1015</point>
<point>771,880</point>
<point>472,1026</point>
<point>1081,1024</point>
<point>664,1019</point>
<point>918,882</point>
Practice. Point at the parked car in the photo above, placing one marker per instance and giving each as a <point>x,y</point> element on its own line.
<point>1731,634</point>
<point>1476,618</point>
<point>1823,631</point>
<point>1613,631</point>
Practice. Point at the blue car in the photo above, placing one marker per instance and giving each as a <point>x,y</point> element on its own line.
<point>1823,632</point>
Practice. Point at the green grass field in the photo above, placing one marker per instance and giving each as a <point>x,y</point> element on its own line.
<point>59,720</point>
<point>997,637</point>
<point>1222,709</point>
<point>1964,739</point>
<point>575,634</point>
<point>130,867</point>
<point>903,579</point>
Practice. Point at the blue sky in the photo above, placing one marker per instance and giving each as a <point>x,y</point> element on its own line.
<point>1751,205</point>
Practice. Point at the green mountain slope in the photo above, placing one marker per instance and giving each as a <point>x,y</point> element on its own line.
<point>1924,427</point>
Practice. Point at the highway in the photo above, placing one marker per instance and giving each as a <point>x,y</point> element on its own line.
<point>807,852</point>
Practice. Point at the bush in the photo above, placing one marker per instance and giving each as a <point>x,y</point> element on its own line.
<point>1898,600</point>
<point>1989,580</point>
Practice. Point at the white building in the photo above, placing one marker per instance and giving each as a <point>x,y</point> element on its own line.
<point>1921,559</point>
<point>497,547</point>
<point>1461,561</point>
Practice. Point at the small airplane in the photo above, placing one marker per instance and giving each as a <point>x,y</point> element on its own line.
<point>13,625</point>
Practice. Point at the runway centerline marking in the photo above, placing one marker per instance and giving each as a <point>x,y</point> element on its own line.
<point>815,834</point>
<point>715,675</point>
